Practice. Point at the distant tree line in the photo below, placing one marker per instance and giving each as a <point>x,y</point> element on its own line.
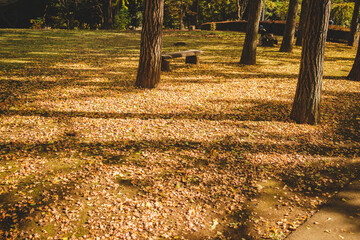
<point>125,14</point>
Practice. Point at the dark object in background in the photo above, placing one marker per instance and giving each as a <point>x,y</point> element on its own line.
<point>18,13</point>
<point>179,44</point>
<point>269,40</point>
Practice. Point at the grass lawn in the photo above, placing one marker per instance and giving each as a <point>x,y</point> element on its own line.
<point>209,154</point>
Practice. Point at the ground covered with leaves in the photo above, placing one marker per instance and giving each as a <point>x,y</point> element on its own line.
<point>209,154</point>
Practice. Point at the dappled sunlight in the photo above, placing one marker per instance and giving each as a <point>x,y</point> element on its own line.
<point>75,66</point>
<point>43,53</point>
<point>210,152</point>
<point>14,61</point>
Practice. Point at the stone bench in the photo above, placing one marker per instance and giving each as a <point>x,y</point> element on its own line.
<point>191,56</point>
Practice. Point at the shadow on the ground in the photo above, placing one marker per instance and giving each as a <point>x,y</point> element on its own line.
<point>258,111</point>
<point>298,182</point>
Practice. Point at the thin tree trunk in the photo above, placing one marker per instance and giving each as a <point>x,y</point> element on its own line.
<point>263,11</point>
<point>241,6</point>
<point>248,56</point>
<point>306,106</point>
<point>354,24</point>
<point>289,33</point>
<point>304,9</point>
<point>148,75</point>
<point>355,71</point>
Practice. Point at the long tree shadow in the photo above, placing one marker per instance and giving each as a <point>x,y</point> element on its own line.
<point>257,111</point>
<point>347,116</point>
<point>348,206</point>
<point>15,211</point>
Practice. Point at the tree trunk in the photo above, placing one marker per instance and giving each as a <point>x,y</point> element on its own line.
<point>107,11</point>
<point>195,9</point>
<point>241,6</point>
<point>306,106</point>
<point>355,71</point>
<point>304,9</point>
<point>181,16</point>
<point>289,33</point>
<point>148,75</point>
<point>248,56</point>
<point>354,24</point>
<point>263,11</point>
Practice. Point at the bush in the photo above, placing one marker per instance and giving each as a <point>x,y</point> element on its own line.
<point>341,14</point>
<point>122,20</point>
<point>276,10</point>
<point>37,23</point>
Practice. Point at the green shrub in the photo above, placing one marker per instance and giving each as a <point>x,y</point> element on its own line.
<point>341,14</point>
<point>122,19</point>
<point>37,23</point>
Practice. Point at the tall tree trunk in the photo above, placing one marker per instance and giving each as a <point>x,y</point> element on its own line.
<point>148,75</point>
<point>306,106</point>
<point>355,71</point>
<point>304,9</point>
<point>107,11</point>
<point>289,33</point>
<point>248,56</point>
<point>354,24</point>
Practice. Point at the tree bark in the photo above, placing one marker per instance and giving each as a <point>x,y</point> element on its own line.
<point>148,75</point>
<point>306,106</point>
<point>355,71</point>
<point>304,9</point>
<point>354,24</point>
<point>107,11</point>
<point>181,16</point>
<point>289,33</point>
<point>195,9</point>
<point>248,56</point>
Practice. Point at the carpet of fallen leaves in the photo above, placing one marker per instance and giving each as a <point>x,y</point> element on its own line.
<point>209,154</point>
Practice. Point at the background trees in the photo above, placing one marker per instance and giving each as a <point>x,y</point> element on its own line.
<point>123,14</point>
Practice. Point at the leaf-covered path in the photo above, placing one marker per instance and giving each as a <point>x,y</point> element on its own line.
<point>211,153</point>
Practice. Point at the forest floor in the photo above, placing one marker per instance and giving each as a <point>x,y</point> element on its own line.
<point>209,154</point>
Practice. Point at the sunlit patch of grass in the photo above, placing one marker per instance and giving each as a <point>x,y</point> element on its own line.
<point>44,53</point>
<point>14,61</point>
